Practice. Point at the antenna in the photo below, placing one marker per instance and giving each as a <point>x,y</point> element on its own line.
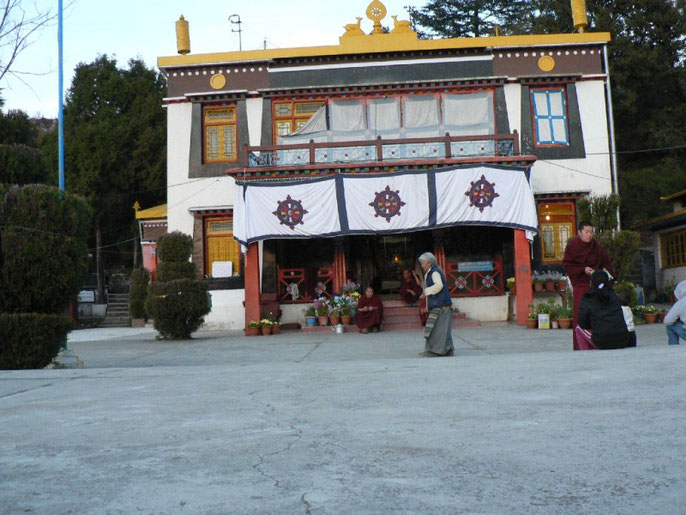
<point>235,19</point>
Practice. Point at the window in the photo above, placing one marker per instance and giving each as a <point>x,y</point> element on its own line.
<point>673,246</point>
<point>550,116</point>
<point>556,222</point>
<point>220,134</point>
<point>220,245</point>
<point>289,116</point>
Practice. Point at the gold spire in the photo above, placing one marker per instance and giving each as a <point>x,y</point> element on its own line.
<point>376,11</point>
<point>183,38</point>
<point>579,14</point>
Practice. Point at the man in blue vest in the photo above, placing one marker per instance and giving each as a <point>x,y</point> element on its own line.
<point>438,329</point>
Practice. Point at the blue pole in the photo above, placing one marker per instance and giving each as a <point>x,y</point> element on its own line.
<point>60,115</point>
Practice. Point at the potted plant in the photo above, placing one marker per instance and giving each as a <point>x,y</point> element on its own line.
<point>253,328</point>
<point>562,283</point>
<point>532,318</point>
<point>650,314</point>
<point>510,282</point>
<point>564,317</point>
<point>553,311</point>
<point>335,315</point>
<point>346,318</point>
<point>310,316</point>
<point>266,326</point>
<point>661,316</point>
<point>322,307</point>
<point>549,283</point>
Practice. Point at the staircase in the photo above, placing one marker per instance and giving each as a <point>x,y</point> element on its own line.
<point>118,314</point>
<point>398,316</point>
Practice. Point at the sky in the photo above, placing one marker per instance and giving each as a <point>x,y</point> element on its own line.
<point>145,29</point>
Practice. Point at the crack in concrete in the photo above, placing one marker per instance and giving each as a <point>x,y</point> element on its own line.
<point>473,345</point>
<point>316,346</point>
<point>308,506</point>
<point>6,396</point>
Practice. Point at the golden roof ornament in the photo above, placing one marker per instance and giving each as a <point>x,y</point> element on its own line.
<point>376,11</point>
<point>183,38</point>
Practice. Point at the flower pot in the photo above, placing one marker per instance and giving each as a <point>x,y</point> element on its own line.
<point>513,290</point>
<point>531,323</point>
<point>324,320</point>
<point>266,329</point>
<point>335,319</point>
<point>538,287</point>
<point>562,286</point>
<point>565,323</point>
<point>252,331</point>
<point>346,319</point>
<point>650,317</point>
<point>138,322</point>
<point>661,317</point>
<point>549,286</point>
<point>554,324</point>
<point>310,321</point>
<point>276,329</point>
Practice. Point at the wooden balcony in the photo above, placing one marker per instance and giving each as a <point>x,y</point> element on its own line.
<point>378,155</point>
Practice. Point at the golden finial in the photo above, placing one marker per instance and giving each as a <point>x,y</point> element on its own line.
<point>183,38</point>
<point>376,11</point>
<point>579,14</point>
<point>136,206</point>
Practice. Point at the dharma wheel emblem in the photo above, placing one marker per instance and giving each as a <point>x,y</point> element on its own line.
<point>387,203</point>
<point>481,194</point>
<point>290,212</point>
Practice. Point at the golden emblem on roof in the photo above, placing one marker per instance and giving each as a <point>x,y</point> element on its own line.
<point>376,11</point>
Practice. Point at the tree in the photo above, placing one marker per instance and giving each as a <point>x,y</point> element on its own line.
<point>17,26</point>
<point>21,162</point>
<point>115,144</point>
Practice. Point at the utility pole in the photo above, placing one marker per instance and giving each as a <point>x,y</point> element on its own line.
<point>235,19</point>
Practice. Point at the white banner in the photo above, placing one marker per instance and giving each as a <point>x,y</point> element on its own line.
<point>385,203</point>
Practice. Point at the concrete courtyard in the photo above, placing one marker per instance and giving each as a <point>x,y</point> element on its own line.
<point>515,422</point>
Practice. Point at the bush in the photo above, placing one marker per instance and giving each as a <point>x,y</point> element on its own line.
<point>173,271</point>
<point>174,247</point>
<point>627,287</point>
<point>621,246</point>
<point>177,307</point>
<point>30,340</point>
<point>44,251</point>
<point>138,291</point>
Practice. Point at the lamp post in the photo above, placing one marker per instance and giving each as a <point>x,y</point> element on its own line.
<point>235,19</point>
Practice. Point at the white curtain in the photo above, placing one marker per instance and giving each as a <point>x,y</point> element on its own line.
<point>384,114</point>
<point>468,114</point>
<point>347,115</point>
<point>421,111</point>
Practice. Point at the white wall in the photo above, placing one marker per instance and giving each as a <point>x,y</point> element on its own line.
<point>485,309</point>
<point>227,312</point>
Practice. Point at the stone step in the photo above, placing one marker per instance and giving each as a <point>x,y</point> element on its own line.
<point>118,297</point>
<point>405,325</point>
<point>116,322</point>
<point>412,312</point>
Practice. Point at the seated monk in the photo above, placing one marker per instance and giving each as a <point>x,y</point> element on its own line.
<point>410,287</point>
<point>369,314</point>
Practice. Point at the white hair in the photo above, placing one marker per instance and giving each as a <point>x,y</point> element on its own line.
<point>428,257</point>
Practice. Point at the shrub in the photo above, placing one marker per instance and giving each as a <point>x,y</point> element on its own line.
<point>171,271</point>
<point>177,307</point>
<point>627,287</point>
<point>31,340</point>
<point>621,247</point>
<point>174,247</point>
<point>138,291</point>
<point>43,242</point>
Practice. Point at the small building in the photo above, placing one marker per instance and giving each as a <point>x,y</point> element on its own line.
<point>297,169</point>
<point>669,243</point>
<point>152,223</point>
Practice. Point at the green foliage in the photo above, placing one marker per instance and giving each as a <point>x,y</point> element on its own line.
<point>628,287</point>
<point>16,128</point>
<point>115,142</point>
<point>21,164</point>
<point>177,307</point>
<point>174,247</point>
<point>31,340</point>
<point>43,249</point>
<point>601,211</point>
<point>172,271</point>
<point>621,247</point>
<point>138,291</point>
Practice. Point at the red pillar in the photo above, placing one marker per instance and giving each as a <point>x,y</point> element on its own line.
<point>439,252</point>
<point>339,268</point>
<point>522,266</point>
<point>252,284</point>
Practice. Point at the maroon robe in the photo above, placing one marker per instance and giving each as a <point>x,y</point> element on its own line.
<point>579,255</point>
<point>369,319</point>
<point>410,284</point>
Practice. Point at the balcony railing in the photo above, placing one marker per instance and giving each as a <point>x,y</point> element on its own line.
<point>374,152</point>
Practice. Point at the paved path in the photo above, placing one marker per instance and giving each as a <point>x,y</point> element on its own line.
<point>514,423</point>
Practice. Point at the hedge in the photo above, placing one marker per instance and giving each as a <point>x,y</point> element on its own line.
<point>138,291</point>
<point>174,247</point>
<point>177,307</point>
<point>173,271</point>
<point>31,340</point>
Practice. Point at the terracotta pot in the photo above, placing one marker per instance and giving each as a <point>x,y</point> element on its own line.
<point>252,331</point>
<point>138,322</point>
<point>650,317</point>
<point>276,329</point>
<point>549,286</point>
<point>324,320</point>
<point>531,323</point>
<point>538,286</point>
<point>565,323</point>
<point>513,290</point>
<point>347,319</point>
<point>562,286</point>
<point>266,329</point>
<point>335,319</point>
<point>661,317</point>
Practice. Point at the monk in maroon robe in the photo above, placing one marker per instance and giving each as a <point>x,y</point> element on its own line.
<point>410,287</point>
<point>369,313</point>
<point>583,256</point>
